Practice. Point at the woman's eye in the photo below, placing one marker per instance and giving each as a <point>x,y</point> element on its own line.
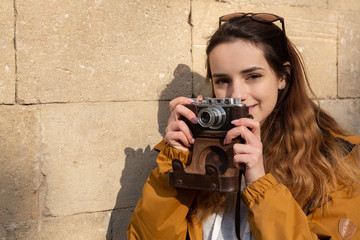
<point>254,76</point>
<point>220,81</point>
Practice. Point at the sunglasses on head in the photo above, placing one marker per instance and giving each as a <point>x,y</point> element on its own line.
<point>259,17</point>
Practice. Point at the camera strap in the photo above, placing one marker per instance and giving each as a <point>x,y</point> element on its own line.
<point>237,211</point>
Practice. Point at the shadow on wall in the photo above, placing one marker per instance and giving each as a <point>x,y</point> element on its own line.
<point>139,162</point>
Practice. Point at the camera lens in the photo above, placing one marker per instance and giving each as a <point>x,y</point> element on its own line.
<point>212,117</point>
<point>205,117</point>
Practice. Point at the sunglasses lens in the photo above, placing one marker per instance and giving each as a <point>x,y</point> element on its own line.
<point>265,17</point>
<point>233,15</point>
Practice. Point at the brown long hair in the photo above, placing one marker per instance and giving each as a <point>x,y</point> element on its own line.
<point>299,150</point>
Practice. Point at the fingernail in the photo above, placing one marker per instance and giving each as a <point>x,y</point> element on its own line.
<point>235,121</point>
<point>195,120</point>
<point>190,100</point>
<point>192,141</point>
<point>224,143</point>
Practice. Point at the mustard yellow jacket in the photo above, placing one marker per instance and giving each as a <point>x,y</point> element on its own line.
<point>272,211</point>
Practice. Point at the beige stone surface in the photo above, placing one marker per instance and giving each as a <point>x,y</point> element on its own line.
<point>353,5</point>
<point>320,61</point>
<point>76,51</point>
<point>2,232</point>
<point>293,3</point>
<point>314,32</point>
<point>97,156</point>
<point>7,53</point>
<point>84,226</point>
<point>19,164</point>
<point>346,112</point>
<point>349,54</point>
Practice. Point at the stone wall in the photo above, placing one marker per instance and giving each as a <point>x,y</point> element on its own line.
<point>84,91</point>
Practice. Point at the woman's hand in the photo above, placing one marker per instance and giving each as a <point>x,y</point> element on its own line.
<point>177,133</point>
<point>248,156</point>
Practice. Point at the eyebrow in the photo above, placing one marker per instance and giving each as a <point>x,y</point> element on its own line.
<point>252,69</point>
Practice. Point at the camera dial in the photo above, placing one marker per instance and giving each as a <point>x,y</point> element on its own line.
<point>212,117</point>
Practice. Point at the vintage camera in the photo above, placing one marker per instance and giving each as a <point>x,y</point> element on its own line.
<point>215,116</point>
<point>211,167</point>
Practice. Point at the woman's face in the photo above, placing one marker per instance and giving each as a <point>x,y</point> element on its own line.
<point>240,70</point>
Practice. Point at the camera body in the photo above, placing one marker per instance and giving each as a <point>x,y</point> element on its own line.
<point>215,116</point>
<point>211,167</point>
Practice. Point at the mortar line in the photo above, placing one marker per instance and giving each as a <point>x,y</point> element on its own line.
<point>144,101</point>
<point>15,49</point>
<point>191,50</point>
<point>337,55</point>
<point>87,102</point>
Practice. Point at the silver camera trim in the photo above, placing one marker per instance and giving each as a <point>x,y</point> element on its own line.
<point>214,107</point>
<point>216,113</point>
<point>220,101</point>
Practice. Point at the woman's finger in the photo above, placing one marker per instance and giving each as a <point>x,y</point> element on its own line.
<point>247,154</point>
<point>178,140</point>
<point>180,126</point>
<point>182,111</point>
<point>252,124</point>
<point>179,101</point>
<point>249,158</point>
<point>247,135</point>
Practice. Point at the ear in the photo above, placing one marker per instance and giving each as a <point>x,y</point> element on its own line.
<point>285,76</point>
<point>282,84</point>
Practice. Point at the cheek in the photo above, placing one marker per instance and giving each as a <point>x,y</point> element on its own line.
<point>268,98</point>
<point>219,93</point>
<point>267,92</point>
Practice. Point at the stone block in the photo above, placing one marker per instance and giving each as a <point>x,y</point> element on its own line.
<point>90,226</point>
<point>100,51</point>
<point>7,53</point>
<point>2,233</point>
<point>349,55</point>
<point>320,61</point>
<point>20,156</point>
<point>314,32</point>
<point>345,111</point>
<point>353,5</point>
<point>292,3</point>
<point>98,156</point>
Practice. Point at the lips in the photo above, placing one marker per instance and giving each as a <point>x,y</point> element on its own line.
<point>251,108</point>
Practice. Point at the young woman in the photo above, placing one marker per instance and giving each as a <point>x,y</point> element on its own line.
<point>301,170</point>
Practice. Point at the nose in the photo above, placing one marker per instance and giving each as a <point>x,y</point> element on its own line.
<point>239,90</point>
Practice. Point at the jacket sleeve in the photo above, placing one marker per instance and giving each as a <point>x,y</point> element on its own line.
<point>274,214</point>
<point>161,212</point>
